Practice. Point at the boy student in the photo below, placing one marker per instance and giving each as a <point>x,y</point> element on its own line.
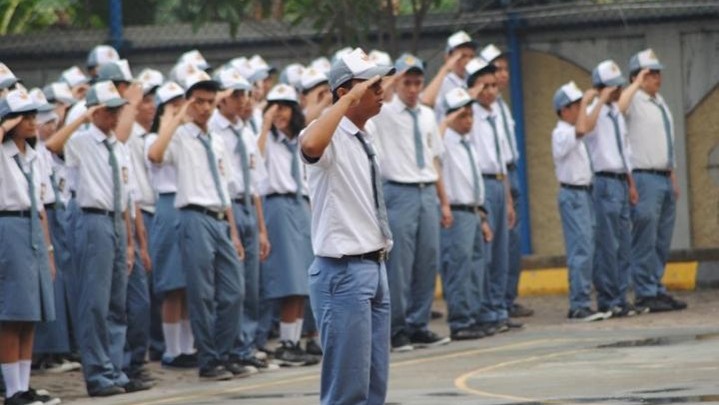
<point>409,146</point>
<point>493,55</point>
<point>462,258</point>
<point>247,168</point>
<point>613,191</point>
<point>650,131</point>
<point>210,247</point>
<point>490,143</point>
<point>100,165</point>
<point>573,168</point>
<point>460,49</point>
<point>350,236</point>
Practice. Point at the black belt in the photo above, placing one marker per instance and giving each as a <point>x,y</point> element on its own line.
<point>377,256</point>
<point>511,166</point>
<point>50,206</point>
<point>218,215</point>
<point>421,184</point>
<point>241,201</point>
<point>73,194</point>
<point>618,176</point>
<point>587,187</point>
<point>475,209</point>
<point>19,214</point>
<point>664,173</point>
<point>288,195</point>
<point>169,193</point>
<point>494,176</point>
<point>97,211</point>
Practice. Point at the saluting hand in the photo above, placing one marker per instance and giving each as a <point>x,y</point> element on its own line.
<point>642,75</point>
<point>476,89</point>
<point>133,94</point>
<point>606,92</point>
<point>451,62</point>
<point>355,94</point>
<point>9,124</point>
<point>589,95</point>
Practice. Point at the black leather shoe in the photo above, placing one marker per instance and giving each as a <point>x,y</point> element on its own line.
<point>467,334</point>
<point>137,385</point>
<point>107,391</point>
<point>676,304</point>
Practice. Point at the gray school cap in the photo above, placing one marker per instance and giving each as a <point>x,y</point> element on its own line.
<point>355,65</point>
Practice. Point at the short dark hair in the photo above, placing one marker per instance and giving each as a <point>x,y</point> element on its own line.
<point>482,72</point>
<point>346,85</point>
<point>307,91</point>
<point>208,85</point>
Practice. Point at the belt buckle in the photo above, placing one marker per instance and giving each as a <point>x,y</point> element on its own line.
<point>382,255</point>
<point>221,216</point>
<point>500,177</point>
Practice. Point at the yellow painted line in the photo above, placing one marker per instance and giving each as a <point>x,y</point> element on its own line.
<point>310,376</point>
<point>554,281</point>
<point>461,381</point>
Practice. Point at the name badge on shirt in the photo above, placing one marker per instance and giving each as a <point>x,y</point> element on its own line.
<point>252,161</point>
<point>125,175</point>
<point>61,185</point>
<point>43,190</point>
<point>429,140</point>
<point>221,167</point>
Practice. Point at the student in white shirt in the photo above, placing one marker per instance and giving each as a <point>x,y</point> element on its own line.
<point>460,49</point>
<point>614,191</point>
<point>210,246</point>
<point>27,255</point>
<point>247,170</point>
<point>462,259</point>
<point>350,237</point>
<point>650,131</point>
<point>409,147</point>
<point>490,143</point>
<point>574,172</point>
<point>287,216</point>
<point>168,278</point>
<point>104,243</point>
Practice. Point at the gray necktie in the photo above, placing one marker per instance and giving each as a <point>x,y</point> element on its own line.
<point>493,123</point>
<point>241,150</point>
<point>212,162</point>
<point>292,147</point>
<point>618,137</point>
<point>34,218</point>
<point>116,184</point>
<point>418,149</point>
<point>377,191</point>
<point>510,137</point>
<point>667,132</point>
<point>475,175</point>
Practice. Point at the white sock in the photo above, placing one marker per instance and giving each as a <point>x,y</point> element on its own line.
<point>172,332</point>
<point>298,329</point>
<point>24,371</point>
<point>187,339</point>
<point>287,332</point>
<point>11,375</point>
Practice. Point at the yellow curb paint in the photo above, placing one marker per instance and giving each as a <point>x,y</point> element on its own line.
<point>554,281</point>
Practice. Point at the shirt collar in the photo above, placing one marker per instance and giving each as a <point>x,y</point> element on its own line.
<point>453,136</point>
<point>482,112</point>
<point>348,126</point>
<point>399,105</point>
<point>225,123</point>
<point>456,79</point>
<point>11,151</point>
<point>100,136</point>
<point>564,124</point>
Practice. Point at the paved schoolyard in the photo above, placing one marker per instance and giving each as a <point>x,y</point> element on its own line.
<point>650,359</point>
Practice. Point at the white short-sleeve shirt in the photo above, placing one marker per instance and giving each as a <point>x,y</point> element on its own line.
<point>195,182</point>
<point>394,137</point>
<point>14,188</point>
<point>88,158</point>
<point>344,216</point>
<point>220,125</point>
<point>571,158</point>
<point>602,141</point>
<point>487,145</point>
<point>278,162</point>
<point>450,82</point>
<point>502,110</point>
<point>457,169</point>
<point>163,178</point>
<point>136,145</point>
<point>646,132</point>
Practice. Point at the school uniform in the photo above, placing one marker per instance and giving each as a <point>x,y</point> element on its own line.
<point>576,208</point>
<point>247,167</point>
<point>100,166</point>
<point>212,268</point>
<point>54,337</point>
<point>462,260</point>
<point>26,287</point>
<point>167,274</point>
<point>609,151</point>
<point>511,156</point>
<point>650,133</point>
<point>407,143</point>
<point>489,140</point>
<point>138,286</point>
<point>348,278</point>
<point>287,218</point>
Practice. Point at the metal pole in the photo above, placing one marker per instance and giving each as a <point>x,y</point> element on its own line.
<point>515,85</point>
<point>116,38</point>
